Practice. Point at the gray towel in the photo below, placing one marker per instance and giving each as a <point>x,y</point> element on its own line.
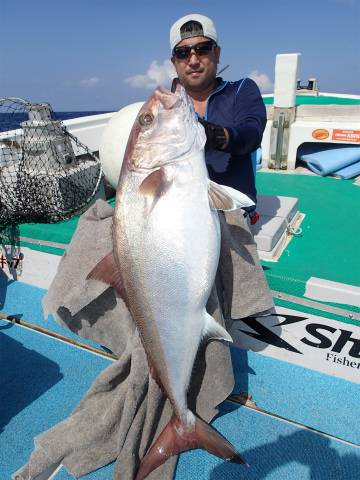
<point>124,410</point>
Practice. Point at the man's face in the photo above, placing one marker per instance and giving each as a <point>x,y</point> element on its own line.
<point>197,72</point>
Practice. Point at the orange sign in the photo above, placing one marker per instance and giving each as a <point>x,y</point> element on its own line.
<point>320,134</point>
<point>346,135</point>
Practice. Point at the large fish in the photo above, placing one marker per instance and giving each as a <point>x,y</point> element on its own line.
<point>166,239</point>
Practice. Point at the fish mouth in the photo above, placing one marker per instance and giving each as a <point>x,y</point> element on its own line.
<point>164,99</point>
<point>167,99</point>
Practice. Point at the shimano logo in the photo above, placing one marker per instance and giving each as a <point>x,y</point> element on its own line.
<point>266,335</point>
<point>315,335</point>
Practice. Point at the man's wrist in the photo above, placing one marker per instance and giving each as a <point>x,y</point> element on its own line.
<point>227,137</point>
<point>217,137</point>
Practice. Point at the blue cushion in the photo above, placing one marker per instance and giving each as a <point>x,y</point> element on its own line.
<point>334,161</point>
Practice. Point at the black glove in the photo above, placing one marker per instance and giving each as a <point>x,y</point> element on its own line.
<point>215,135</point>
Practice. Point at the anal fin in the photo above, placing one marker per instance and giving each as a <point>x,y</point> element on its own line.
<point>214,331</point>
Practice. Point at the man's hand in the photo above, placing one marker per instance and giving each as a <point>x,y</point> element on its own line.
<point>217,137</point>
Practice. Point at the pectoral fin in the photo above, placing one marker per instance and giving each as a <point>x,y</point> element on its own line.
<point>156,184</point>
<point>226,198</point>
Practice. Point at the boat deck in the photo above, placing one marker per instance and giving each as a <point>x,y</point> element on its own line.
<point>307,426</point>
<point>322,99</point>
<point>327,247</point>
<point>285,441</point>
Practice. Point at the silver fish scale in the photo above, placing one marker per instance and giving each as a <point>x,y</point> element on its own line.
<point>169,256</point>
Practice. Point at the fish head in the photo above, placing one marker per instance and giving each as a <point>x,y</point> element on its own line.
<point>165,131</point>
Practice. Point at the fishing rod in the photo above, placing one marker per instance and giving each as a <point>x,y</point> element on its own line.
<point>226,66</point>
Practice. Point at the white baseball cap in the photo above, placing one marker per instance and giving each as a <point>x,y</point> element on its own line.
<point>206,28</point>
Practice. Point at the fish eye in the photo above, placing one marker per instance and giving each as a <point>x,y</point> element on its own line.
<point>146,119</point>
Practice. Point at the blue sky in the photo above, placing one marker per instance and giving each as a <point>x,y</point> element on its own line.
<point>104,54</point>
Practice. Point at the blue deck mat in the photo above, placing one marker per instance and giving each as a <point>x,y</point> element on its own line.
<point>311,398</point>
<point>275,450</point>
<point>279,387</point>
<point>41,382</point>
<point>40,386</point>
<point>14,300</point>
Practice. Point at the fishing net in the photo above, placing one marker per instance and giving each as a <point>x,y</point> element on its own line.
<point>46,174</point>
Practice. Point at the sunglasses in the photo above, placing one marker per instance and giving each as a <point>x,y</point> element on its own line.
<point>201,49</point>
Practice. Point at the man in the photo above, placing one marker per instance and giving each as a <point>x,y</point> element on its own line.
<point>232,113</point>
<point>234,117</point>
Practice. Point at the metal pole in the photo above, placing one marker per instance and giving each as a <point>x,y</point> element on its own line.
<point>58,336</point>
<point>279,141</point>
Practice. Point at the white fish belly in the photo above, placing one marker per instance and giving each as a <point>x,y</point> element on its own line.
<point>187,243</point>
<point>177,250</point>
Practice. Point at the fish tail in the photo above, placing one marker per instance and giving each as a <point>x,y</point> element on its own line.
<point>177,437</point>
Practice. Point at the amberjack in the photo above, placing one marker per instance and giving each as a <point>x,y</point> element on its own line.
<point>166,247</point>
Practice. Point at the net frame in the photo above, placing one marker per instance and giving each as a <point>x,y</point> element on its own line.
<point>47,174</point>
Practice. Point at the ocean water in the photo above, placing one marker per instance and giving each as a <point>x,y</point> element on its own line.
<point>12,120</point>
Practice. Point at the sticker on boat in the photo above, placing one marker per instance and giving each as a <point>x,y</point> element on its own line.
<point>320,134</point>
<point>319,343</point>
<point>346,135</point>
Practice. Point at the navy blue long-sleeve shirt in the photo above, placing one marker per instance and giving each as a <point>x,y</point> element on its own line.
<point>239,107</point>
